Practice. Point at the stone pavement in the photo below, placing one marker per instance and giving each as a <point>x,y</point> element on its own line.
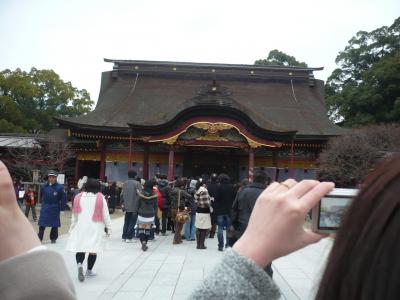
<point>299,273</point>
<point>169,271</point>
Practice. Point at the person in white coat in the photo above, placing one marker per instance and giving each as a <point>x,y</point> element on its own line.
<point>89,218</point>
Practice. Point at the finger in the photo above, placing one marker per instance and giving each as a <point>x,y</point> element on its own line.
<point>300,189</point>
<point>313,196</point>
<point>7,192</point>
<point>285,186</point>
<point>272,187</point>
<point>312,237</point>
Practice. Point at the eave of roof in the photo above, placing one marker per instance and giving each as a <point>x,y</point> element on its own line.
<point>93,128</point>
<point>9,141</point>
<point>210,65</point>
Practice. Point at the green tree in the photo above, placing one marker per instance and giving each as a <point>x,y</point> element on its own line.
<point>30,101</point>
<point>279,58</point>
<point>365,89</point>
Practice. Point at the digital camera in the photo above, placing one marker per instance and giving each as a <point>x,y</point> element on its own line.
<point>327,214</point>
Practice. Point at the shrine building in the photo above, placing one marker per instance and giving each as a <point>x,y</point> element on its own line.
<point>187,119</point>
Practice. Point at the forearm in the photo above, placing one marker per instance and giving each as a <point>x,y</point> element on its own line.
<point>236,277</point>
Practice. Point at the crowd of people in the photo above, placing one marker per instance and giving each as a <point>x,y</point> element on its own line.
<point>264,222</point>
<point>191,208</point>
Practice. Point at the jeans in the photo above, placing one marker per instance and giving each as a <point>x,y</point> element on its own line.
<point>20,202</point>
<point>129,225</point>
<point>190,229</point>
<point>33,208</point>
<point>223,222</point>
<point>151,233</point>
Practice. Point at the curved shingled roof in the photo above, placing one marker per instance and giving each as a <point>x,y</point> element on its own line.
<point>153,93</point>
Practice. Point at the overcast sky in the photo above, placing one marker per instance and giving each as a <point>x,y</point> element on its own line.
<point>73,36</point>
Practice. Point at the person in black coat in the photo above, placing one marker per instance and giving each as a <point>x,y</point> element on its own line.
<point>164,188</point>
<point>244,203</point>
<point>110,193</point>
<point>226,194</point>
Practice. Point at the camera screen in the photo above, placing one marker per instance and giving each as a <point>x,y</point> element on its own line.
<point>332,209</point>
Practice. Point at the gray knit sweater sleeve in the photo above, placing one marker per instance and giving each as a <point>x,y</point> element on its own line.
<point>236,277</point>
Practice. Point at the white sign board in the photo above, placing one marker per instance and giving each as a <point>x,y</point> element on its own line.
<point>61,178</point>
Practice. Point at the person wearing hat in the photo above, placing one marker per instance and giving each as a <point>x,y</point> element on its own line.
<point>53,199</point>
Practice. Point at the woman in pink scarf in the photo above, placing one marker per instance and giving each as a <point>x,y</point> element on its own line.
<point>89,217</point>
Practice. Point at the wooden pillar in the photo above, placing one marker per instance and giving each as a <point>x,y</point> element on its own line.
<point>171,164</point>
<point>76,169</point>
<point>146,162</point>
<point>251,164</point>
<point>102,175</point>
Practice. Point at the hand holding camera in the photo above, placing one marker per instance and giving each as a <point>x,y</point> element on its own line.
<point>276,224</point>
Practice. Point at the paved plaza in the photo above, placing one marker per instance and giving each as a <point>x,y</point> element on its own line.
<point>169,271</point>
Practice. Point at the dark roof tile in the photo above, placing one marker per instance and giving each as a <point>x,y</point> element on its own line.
<point>154,98</point>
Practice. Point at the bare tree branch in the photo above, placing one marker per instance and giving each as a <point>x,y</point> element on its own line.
<point>349,158</point>
<point>46,154</point>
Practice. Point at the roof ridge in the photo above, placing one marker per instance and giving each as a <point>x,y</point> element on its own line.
<point>216,65</point>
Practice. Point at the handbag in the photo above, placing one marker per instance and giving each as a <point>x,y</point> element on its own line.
<point>182,216</point>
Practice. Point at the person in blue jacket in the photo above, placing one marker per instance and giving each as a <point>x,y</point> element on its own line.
<point>53,200</point>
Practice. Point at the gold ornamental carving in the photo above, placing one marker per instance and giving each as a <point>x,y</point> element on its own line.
<point>212,137</point>
<point>212,134</point>
<point>171,140</point>
<point>213,128</point>
<point>253,144</point>
<point>88,156</point>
